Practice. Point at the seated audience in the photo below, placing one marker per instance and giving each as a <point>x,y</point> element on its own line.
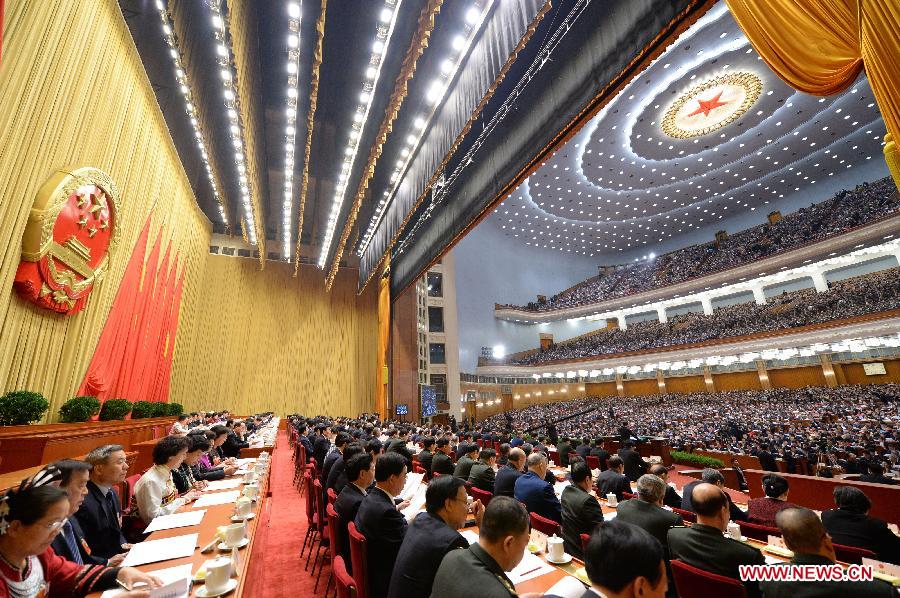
<point>101,512</point>
<point>482,473</point>
<point>380,521</point>
<point>703,545</point>
<point>466,461</point>
<point>481,568</point>
<point>505,480</point>
<point>805,535</point>
<point>613,480</point>
<point>671,498</point>
<point>580,510</point>
<point>715,477</point>
<point>234,442</point>
<point>360,470</point>
<point>532,489</point>
<point>155,493</point>
<point>430,536</point>
<point>337,477</point>
<point>340,441</point>
<point>564,448</point>
<point>601,453</point>
<point>425,456</point>
<point>850,525</point>
<point>635,466</point>
<point>503,455</point>
<point>647,512</point>
<point>876,475</point>
<point>183,476</point>
<point>204,470</point>
<point>763,510</point>
<point>70,543</point>
<point>441,463</point>
<point>181,427</point>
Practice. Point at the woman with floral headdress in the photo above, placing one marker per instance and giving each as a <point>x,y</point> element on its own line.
<point>30,518</point>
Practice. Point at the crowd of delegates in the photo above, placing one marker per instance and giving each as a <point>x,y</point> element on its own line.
<point>65,532</point>
<point>417,555</point>
<point>844,211</point>
<point>869,293</point>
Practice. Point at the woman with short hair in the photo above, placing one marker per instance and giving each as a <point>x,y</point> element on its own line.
<point>155,493</point>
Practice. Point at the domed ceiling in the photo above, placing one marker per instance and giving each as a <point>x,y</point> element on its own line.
<point>705,134</point>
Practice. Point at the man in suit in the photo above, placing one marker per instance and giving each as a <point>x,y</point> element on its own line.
<point>805,535</point>
<point>441,462</point>
<point>482,474</point>
<point>505,480</point>
<point>340,441</point>
<point>480,569</point>
<point>613,481</point>
<point>704,546</point>
<point>623,560</point>
<point>646,510</point>
<point>767,459</point>
<point>425,456</point>
<point>234,442</point>
<point>430,536</point>
<point>580,511</point>
<point>850,525</point>
<point>715,477</point>
<point>876,475</point>
<point>321,444</point>
<point>464,465</point>
<point>380,521</point>
<point>564,448</point>
<point>671,499</point>
<point>741,478</point>
<point>462,448</point>
<point>536,493</point>
<point>583,449</point>
<point>70,542</point>
<point>635,466</point>
<point>100,515</point>
<point>601,453</point>
<point>399,446</point>
<point>360,471</point>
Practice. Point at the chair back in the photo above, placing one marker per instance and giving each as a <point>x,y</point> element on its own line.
<point>553,456</point>
<point>497,446</point>
<point>691,581</point>
<point>686,515</point>
<point>332,495</point>
<point>359,559</point>
<point>417,468</point>
<point>334,538</point>
<point>852,554</point>
<point>346,585</point>
<point>310,498</point>
<point>130,483</point>
<point>757,531</point>
<point>320,505</point>
<point>584,541</point>
<point>593,462</point>
<point>483,496</point>
<point>480,443</point>
<point>545,526</point>
<point>469,487</point>
<point>628,496</point>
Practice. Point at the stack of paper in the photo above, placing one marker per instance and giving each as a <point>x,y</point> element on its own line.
<point>175,583</point>
<point>165,549</point>
<point>184,519</point>
<point>558,487</point>
<point>530,567</point>
<point>470,536</point>
<point>217,498</point>
<point>413,481</point>
<point>567,587</point>
<point>224,484</point>
<point>415,503</point>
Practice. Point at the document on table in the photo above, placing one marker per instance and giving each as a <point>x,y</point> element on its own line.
<point>530,567</point>
<point>567,587</point>
<point>415,503</point>
<point>470,536</point>
<point>185,519</point>
<point>558,487</point>
<point>413,481</point>
<point>242,462</point>
<point>165,549</point>
<point>176,582</point>
<point>224,484</point>
<point>217,498</point>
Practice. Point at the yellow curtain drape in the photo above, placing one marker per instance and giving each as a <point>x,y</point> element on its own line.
<point>384,337</point>
<point>820,46</point>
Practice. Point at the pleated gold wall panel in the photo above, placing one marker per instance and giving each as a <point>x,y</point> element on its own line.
<point>265,341</point>
<point>73,92</point>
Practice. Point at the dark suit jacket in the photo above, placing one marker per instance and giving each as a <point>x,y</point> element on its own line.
<point>863,531</point>
<point>320,449</point>
<point>347,506</point>
<point>505,481</point>
<point>824,589</point>
<point>62,549</point>
<point>399,446</point>
<point>707,548</point>
<point>580,514</point>
<point>583,450</point>
<point>635,466</point>
<point>538,497</point>
<point>734,512</point>
<point>482,476</point>
<point>471,572</point>
<point>602,455</point>
<point>612,481</point>
<point>671,498</point>
<point>337,479</point>
<point>767,461</point>
<point>656,520</point>
<point>329,462</point>
<point>426,542</point>
<point>425,457</point>
<point>384,528</point>
<point>233,445</point>
<point>564,448</point>
<point>441,464</point>
<point>464,467</point>
<point>100,522</point>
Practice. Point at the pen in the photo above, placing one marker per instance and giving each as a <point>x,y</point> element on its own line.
<point>125,586</point>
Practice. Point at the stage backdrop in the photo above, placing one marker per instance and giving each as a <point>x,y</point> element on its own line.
<point>74,94</point>
<point>266,341</point>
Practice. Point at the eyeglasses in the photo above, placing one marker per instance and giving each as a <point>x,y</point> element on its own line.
<point>55,525</point>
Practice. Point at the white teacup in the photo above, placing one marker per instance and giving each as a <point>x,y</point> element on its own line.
<point>243,506</point>
<point>734,530</point>
<point>251,492</point>
<point>264,456</point>
<point>218,572</point>
<point>555,548</point>
<point>260,466</point>
<point>234,534</point>
<point>611,500</point>
<point>249,476</point>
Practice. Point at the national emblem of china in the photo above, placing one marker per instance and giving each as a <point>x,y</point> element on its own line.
<point>712,105</point>
<point>71,232</point>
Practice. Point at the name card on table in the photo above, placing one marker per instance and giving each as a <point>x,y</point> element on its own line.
<point>885,571</point>
<point>776,545</point>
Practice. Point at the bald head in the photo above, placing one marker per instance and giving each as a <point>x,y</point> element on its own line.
<point>537,460</point>
<point>516,457</point>
<point>711,505</point>
<point>802,530</point>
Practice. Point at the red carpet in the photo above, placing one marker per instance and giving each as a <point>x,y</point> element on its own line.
<point>280,573</point>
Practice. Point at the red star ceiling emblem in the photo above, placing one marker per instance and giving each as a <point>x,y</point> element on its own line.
<point>707,106</point>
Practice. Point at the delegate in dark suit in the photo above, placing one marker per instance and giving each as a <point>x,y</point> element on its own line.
<point>538,497</point>
<point>602,455</point>
<point>767,461</point>
<point>580,514</point>
<point>734,512</point>
<point>611,481</point>
<point>505,481</point>
<point>320,449</point>
<point>347,506</point>
<point>635,466</point>
<point>233,445</point>
<point>464,467</point>
<point>656,520</point>
<point>564,448</point>
<point>706,548</point>
<point>482,476</point>
<point>384,528</point>
<point>425,457</point>
<point>441,464</point>
<point>101,516</point>
<point>822,589</point>
<point>337,479</point>
<point>862,531</point>
<point>61,546</point>
<point>671,498</point>
<point>329,462</point>
<point>471,572</point>
<point>426,542</point>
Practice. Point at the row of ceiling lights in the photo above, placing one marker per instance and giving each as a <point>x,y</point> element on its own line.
<point>290,131</point>
<point>435,94</point>
<point>387,19</point>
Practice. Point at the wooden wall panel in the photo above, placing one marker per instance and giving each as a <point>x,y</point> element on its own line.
<point>854,373</point>
<point>74,93</point>
<point>641,387</point>
<point>403,383</point>
<point>737,381</point>
<point>267,341</point>
<point>685,384</point>
<point>797,377</point>
<point>601,389</point>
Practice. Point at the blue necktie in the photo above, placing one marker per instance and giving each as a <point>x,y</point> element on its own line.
<point>69,535</point>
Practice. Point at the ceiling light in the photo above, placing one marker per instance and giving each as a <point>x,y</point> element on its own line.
<point>459,43</point>
<point>293,10</point>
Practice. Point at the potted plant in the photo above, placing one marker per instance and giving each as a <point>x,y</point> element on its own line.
<point>79,409</point>
<point>21,407</point>
<point>114,409</point>
<point>160,409</point>
<point>176,409</point>
<point>142,410</point>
